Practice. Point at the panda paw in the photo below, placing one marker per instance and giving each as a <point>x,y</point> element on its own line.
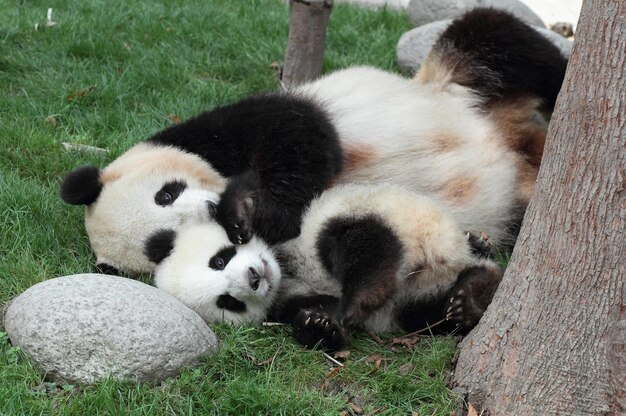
<point>462,309</point>
<point>313,328</point>
<point>236,215</point>
<point>480,245</point>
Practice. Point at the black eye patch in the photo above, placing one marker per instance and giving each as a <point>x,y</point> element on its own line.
<point>221,259</point>
<point>230,303</point>
<point>169,192</point>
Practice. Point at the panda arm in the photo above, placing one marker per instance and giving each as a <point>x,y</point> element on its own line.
<point>279,151</point>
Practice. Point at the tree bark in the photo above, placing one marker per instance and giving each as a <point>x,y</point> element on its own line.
<point>307,36</point>
<point>553,340</point>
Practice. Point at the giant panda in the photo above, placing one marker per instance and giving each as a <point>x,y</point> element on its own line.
<point>467,131</point>
<point>373,257</point>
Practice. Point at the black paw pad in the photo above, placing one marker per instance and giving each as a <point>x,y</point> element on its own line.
<point>480,245</point>
<point>462,310</point>
<point>312,329</point>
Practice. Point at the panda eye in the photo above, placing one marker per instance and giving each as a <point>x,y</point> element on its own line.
<point>222,257</point>
<point>169,192</point>
<point>219,263</point>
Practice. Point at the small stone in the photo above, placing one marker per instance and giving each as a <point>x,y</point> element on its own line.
<point>421,12</point>
<point>82,328</point>
<point>415,45</point>
<point>562,28</point>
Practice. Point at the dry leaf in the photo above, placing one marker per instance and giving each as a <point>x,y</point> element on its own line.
<point>356,409</point>
<point>81,93</point>
<point>484,236</point>
<point>373,358</point>
<point>52,121</point>
<point>341,354</point>
<point>265,362</point>
<point>406,368</point>
<point>408,342</point>
<point>471,410</point>
<point>414,413</point>
<point>333,372</point>
<point>174,119</point>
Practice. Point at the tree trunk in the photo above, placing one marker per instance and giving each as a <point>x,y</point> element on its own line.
<point>307,36</point>
<point>553,340</point>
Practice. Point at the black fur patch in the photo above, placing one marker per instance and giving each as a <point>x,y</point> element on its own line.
<point>104,268</point>
<point>364,254</point>
<point>81,186</point>
<point>222,257</point>
<point>159,245</point>
<point>498,55</point>
<point>423,313</point>
<point>228,302</point>
<point>287,143</point>
<point>169,192</point>
<point>237,206</point>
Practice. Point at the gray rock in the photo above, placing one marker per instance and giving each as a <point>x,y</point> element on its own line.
<point>414,45</point>
<point>85,327</point>
<point>421,12</point>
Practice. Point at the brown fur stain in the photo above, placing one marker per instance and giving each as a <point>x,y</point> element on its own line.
<point>355,157</point>
<point>443,66</point>
<point>460,190</point>
<point>445,143</point>
<point>526,178</point>
<point>520,131</point>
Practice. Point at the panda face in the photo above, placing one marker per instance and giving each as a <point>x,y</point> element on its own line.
<point>146,189</point>
<point>218,280</point>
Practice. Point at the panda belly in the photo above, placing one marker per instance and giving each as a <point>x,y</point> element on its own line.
<point>429,141</point>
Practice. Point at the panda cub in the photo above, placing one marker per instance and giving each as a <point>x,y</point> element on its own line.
<point>373,257</point>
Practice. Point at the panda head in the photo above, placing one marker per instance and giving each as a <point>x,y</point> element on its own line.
<point>148,188</point>
<point>220,281</point>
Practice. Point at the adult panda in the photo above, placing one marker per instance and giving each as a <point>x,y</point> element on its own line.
<point>465,131</point>
<point>373,257</point>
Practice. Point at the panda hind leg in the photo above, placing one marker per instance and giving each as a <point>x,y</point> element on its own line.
<point>472,294</point>
<point>364,255</point>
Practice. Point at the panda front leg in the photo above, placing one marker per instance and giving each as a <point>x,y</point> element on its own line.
<point>248,207</point>
<point>314,321</point>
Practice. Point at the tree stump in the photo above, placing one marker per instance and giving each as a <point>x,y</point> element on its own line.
<point>307,36</point>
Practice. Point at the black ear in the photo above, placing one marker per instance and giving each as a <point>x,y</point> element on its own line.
<point>159,245</point>
<point>81,186</point>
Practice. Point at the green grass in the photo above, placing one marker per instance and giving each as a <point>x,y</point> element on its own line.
<point>108,75</point>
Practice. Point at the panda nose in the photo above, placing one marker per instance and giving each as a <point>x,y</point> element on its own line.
<point>254,279</point>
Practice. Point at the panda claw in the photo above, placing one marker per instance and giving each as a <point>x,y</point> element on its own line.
<point>452,299</point>
<point>307,320</point>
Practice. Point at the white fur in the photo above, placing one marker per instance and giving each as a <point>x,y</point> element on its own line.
<point>401,120</point>
<point>186,274</point>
